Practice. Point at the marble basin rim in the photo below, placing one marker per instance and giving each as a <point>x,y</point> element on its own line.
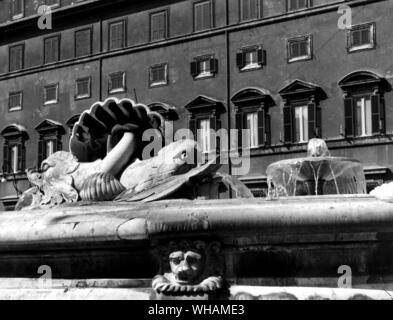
<point>136,223</point>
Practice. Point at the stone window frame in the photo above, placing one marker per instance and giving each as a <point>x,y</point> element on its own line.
<point>49,130</point>
<point>14,135</point>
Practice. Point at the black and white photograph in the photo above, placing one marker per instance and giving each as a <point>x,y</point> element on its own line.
<point>196,155</point>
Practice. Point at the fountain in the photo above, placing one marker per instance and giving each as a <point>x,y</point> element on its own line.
<point>317,174</point>
<point>98,224</point>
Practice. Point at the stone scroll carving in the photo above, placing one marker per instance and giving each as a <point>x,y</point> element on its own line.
<point>190,268</point>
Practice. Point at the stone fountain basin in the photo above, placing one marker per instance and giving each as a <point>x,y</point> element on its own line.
<point>326,168</point>
<point>287,242</point>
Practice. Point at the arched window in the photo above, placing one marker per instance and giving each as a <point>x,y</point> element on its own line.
<point>50,133</point>
<point>364,105</point>
<point>71,122</point>
<point>14,151</point>
<point>302,113</point>
<point>252,113</point>
<point>168,116</point>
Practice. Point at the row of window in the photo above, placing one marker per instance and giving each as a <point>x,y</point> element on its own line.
<point>364,115</point>
<point>203,12</point>
<point>360,37</point>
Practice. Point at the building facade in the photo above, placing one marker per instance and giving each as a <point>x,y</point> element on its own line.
<point>287,70</point>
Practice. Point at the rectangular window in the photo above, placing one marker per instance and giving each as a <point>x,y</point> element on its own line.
<point>204,67</point>
<point>117,82</point>
<point>299,48</point>
<point>17,9</point>
<point>51,94</point>
<point>361,37</point>
<point>251,58</point>
<point>83,43</point>
<point>204,135</point>
<point>159,75</point>
<point>83,87</point>
<point>117,35</point>
<point>16,57</point>
<point>159,25</point>
<point>252,125</point>
<point>294,5</point>
<point>52,3</point>
<point>363,115</point>
<point>15,101</point>
<point>52,49</point>
<point>301,124</point>
<point>203,15</point>
<point>250,9</point>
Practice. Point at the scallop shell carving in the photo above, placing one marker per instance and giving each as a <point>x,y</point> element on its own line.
<point>101,187</point>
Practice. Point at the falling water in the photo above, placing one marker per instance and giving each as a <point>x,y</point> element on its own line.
<point>316,175</point>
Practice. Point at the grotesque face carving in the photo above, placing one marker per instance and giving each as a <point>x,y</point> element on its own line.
<point>186,267</point>
<point>55,180</point>
<point>190,268</point>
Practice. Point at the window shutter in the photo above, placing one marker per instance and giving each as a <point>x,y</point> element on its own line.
<point>240,60</point>
<point>213,66</point>
<point>41,146</point>
<point>207,16</point>
<point>194,68</point>
<point>261,128</point>
<point>239,127</point>
<point>318,125</point>
<point>288,124</point>
<point>377,116</point>
<point>23,160</point>
<point>6,159</point>
<point>349,117</point>
<point>268,133</point>
<point>59,144</point>
<point>261,57</point>
<point>20,157</point>
<point>192,125</point>
<point>312,121</point>
<point>213,136</point>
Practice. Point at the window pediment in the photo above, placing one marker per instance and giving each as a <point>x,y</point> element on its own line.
<point>365,79</point>
<point>167,111</point>
<point>50,126</point>
<point>204,104</point>
<point>71,121</point>
<point>298,89</point>
<point>14,131</point>
<point>252,96</point>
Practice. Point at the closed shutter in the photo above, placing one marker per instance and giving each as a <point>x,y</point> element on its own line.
<point>312,121</point>
<point>58,144</point>
<point>240,60</point>
<point>23,160</point>
<point>377,114</point>
<point>261,127</point>
<point>239,127</point>
<point>192,125</point>
<point>288,125</point>
<point>194,69</point>
<point>213,66</point>
<point>158,26</point>
<point>82,43</point>
<point>318,133</point>
<point>268,131</point>
<point>6,158</point>
<point>349,117</point>
<point>20,157</point>
<point>203,16</point>
<point>117,35</point>
<point>41,151</point>
<point>51,50</point>
<point>261,57</point>
<point>245,9</point>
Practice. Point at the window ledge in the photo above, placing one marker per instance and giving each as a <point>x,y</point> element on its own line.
<point>52,102</point>
<point>18,16</point>
<point>158,84</point>
<point>298,59</point>
<point>361,48</point>
<point>251,67</point>
<point>14,109</point>
<point>117,91</point>
<point>82,97</point>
